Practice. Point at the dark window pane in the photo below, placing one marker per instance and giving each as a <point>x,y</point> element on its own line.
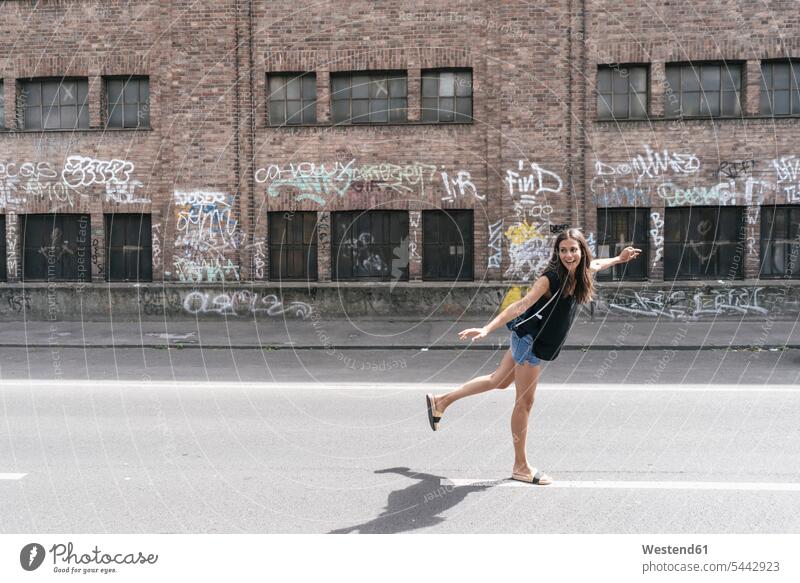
<point>360,86</point>
<point>131,116</point>
<point>710,77</point>
<point>765,105</point>
<point>360,110</point>
<point>619,82</point>
<point>83,116</point>
<point>781,103</point>
<point>464,84</point>
<point>397,87</point>
<point>379,88</point>
<point>293,112</point>
<point>309,87</point>
<point>604,80</point>
<point>32,94</point>
<point>131,91</point>
<point>730,103</point>
<point>277,87</point>
<point>52,118</point>
<point>144,91</point>
<point>49,93</point>
<point>638,106</point>
<point>33,118</point>
<point>731,78</point>
<point>69,116</point>
<point>446,107</point>
<point>397,110</point>
<point>430,109</point>
<point>780,76</point>
<point>620,106</point>
<point>766,76</point>
<point>464,109</point>
<point>309,112</point>
<point>673,79</point>
<point>638,79</point>
<point>795,102</point>
<point>603,106</point>
<point>293,88</point>
<point>340,111</point>
<point>340,87</point>
<point>379,112</point>
<point>689,80</point>
<point>430,86</point>
<point>277,114</point>
<point>69,93</point>
<point>709,103</point>
<point>691,104</point>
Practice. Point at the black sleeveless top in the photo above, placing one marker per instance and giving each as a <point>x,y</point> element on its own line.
<point>551,331</point>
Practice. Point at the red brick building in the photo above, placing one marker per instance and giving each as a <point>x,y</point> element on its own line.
<point>398,149</point>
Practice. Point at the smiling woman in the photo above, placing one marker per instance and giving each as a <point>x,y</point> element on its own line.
<point>539,323</point>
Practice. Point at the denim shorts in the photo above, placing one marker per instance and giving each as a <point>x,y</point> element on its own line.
<point>522,350</point>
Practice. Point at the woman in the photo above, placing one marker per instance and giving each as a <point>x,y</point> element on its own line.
<point>542,320</point>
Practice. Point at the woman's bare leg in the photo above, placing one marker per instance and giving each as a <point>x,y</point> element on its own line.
<point>499,379</point>
<point>525,379</point>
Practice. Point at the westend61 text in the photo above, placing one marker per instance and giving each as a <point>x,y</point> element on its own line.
<point>670,550</point>
<point>60,551</point>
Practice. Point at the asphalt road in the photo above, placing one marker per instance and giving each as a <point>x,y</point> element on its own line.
<point>199,441</point>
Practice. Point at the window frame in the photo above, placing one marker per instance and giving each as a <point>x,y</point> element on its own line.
<point>436,74</point>
<point>466,269</point>
<point>307,105</point>
<point>140,105</point>
<point>2,104</point>
<point>3,250</point>
<point>81,110</point>
<point>374,76</point>
<point>308,250</point>
<point>702,93</point>
<point>769,241</point>
<point>84,275</point>
<point>630,93</point>
<point>769,92</point>
<point>358,216</point>
<point>144,263</point>
<point>681,244</point>
<point>641,216</point>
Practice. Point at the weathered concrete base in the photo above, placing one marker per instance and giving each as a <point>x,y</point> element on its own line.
<point>751,300</point>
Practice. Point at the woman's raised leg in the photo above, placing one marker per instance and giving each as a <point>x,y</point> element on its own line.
<point>499,379</point>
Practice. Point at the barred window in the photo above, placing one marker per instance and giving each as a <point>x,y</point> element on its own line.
<point>621,92</point>
<point>447,245</point>
<point>292,98</point>
<point>54,104</point>
<point>703,90</point>
<point>447,95</point>
<point>704,243</point>
<point>370,245</point>
<point>293,246</point>
<point>128,102</point>
<point>56,247</point>
<point>780,241</point>
<point>369,97</point>
<point>618,228</point>
<point>129,244</point>
<point>780,88</point>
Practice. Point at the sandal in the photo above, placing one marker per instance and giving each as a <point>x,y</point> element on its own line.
<point>538,478</point>
<point>434,416</point>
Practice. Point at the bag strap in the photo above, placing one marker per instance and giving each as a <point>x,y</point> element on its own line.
<point>539,312</point>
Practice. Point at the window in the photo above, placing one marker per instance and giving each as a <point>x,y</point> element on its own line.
<point>54,104</point>
<point>704,242</point>
<point>129,245</point>
<point>293,246</point>
<point>780,241</point>
<point>447,96</point>
<point>616,229</point>
<point>780,88</point>
<point>56,247</point>
<point>703,90</point>
<point>621,92</point>
<point>292,99</point>
<point>447,245</point>
<point>3,258</point>
<point>370,97</point>
<point>128,102</point>
<point>2,106</point>
<point>370,245</point>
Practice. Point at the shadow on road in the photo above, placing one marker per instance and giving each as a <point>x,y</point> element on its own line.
<point>417,506</point>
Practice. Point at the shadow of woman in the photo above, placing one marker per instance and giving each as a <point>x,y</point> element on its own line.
<point>417,506</point>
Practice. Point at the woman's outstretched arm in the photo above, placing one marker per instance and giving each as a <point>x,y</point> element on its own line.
<point>538,289</point>
<point>628,254</point>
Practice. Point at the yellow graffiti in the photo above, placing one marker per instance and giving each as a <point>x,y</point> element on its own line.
<point>512,295</point>
<point>522,232</point>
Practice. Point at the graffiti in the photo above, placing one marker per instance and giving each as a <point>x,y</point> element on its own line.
<point>156,246</point>
<point>317,182</point>
<point>205,229</point>
<point>461,186</point>
<point>528,251</point>
<point>496,244</point>
<point>83,171</point>
<point>719,194</point>
<point>413,221</point>
<point>242,303</point>
<point>556,229</point>
<point>787,170</point>
<point>19,302</point>
<point>682,305</point>
<point>735,169</point>
<point>592,242</point>
<point>657,234</point>
<point>537,181</point>
<point>752,216</point>
<point>11,244</point>
<point>622,196</point>
<point>258,257</point>
<point>651,164</point>
<point>97,257</point>
<point>124,192</point>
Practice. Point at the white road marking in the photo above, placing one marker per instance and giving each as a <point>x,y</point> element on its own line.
<point>631,484</point>
<point>382,386</point>
<point>12,476</point>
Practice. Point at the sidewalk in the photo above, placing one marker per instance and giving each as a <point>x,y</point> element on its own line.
<point>364,334</point>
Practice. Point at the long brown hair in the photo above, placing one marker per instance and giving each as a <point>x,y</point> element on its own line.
<point>584,284</point>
